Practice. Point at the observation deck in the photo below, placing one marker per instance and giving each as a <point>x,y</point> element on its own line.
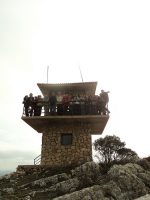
<point>96,123</point>
<point>66,116</point>
<point>88,116</point>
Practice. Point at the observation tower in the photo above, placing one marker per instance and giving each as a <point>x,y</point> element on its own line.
<point>66,135</point>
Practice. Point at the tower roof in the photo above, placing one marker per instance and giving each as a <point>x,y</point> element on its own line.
<point>74,88</point>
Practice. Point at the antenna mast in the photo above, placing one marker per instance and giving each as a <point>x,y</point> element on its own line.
<point>81,74</point>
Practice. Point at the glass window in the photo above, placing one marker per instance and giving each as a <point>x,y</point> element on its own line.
<point>66,139</point>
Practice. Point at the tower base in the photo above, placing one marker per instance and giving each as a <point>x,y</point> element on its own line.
<point>76,149</point>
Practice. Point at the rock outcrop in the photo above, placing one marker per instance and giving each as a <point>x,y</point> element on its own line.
<point>146,197</point>
<point>86,182</point>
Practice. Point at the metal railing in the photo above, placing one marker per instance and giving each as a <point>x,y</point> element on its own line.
<point>37,160</point>
<point>72,109</point>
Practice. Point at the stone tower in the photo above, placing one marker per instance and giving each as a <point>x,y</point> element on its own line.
<point>66,138</point>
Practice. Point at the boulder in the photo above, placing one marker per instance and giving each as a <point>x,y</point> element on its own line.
<point>85,182</point>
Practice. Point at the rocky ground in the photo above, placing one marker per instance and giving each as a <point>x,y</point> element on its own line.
<point>146,197</point>
<point>86,182</point>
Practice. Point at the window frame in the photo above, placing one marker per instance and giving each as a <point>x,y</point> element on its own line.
<point>66,141</point>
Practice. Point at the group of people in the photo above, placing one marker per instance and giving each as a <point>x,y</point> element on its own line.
<point>66,104</point>
<point>32,105</point>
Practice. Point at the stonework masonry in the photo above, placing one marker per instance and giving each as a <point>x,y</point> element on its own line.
<point>56,154</point>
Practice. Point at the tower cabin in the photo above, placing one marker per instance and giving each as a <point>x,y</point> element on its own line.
<point>66,136</point>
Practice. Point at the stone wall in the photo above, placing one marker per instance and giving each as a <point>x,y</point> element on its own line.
<point>56,154</point>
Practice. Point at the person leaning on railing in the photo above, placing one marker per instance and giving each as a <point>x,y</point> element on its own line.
<point>26,106</point>
<point>28,102</point>
<point>53,103</point>
<point>31,104</point>
<point>46,105</point>
<point>59,98</point>
<point>38,104</point>
<point>65,103</point>
<point>103,100</point>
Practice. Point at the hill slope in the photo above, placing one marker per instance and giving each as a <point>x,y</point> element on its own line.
<point>86,182</point>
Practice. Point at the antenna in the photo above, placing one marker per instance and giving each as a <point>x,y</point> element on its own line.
<point>47,73</point>
<point>81,74</point>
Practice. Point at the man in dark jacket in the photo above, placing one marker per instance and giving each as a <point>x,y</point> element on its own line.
<point>31,104</point>
<point>26,105</point>
<point>53,102</point>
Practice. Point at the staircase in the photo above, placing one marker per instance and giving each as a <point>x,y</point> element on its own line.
<point>37,160</point>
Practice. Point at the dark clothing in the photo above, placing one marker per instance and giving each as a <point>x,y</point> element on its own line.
<point>46,105</point>
<point>38,104</point>
<point>35,108</point>
<point>31,105</point>
<point>26,105</point>
<point>52,101</point>
<point>59,108</point>
<point>65,104</point>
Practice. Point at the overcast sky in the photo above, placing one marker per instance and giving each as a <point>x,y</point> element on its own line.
<point>109,40</point>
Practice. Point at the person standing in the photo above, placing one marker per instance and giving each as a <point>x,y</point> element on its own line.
<point>59,98</point>
<point>53,101</point>
<point>31,104</point>
<point>65,103</point>
<point>46,105</point>
<point>103,102</point>
<point>26,106</point>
